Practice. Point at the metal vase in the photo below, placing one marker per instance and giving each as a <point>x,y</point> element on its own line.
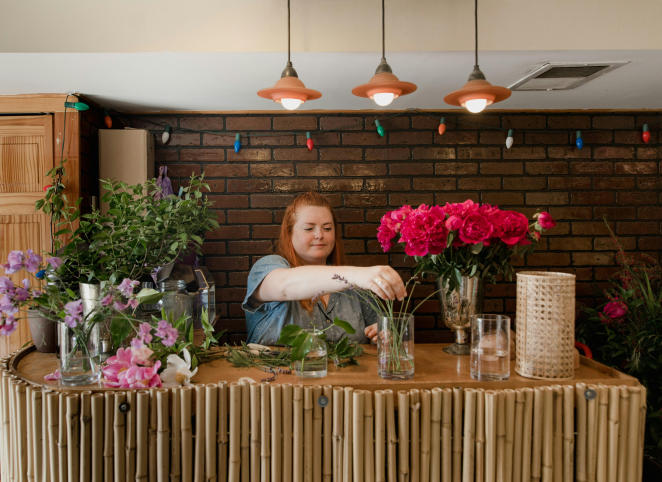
<point>90,293</point>
<point>457,306</point>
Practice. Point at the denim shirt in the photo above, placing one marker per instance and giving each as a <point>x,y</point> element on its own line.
<point>264,321</point>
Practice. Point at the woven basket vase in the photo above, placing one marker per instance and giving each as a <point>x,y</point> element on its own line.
<point>545,325</point>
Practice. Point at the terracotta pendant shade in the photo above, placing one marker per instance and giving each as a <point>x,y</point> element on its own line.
<point>289,88</point>
<point>477,89</point>
<point>384,83</point>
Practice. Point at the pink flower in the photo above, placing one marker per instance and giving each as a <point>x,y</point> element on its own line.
<point>615,309</point>
<point>5,284</point>
<point>7,306</point>
<point>462,210</point>
<point>424,231</point>
<point>21,294</point>
<point>107,300</point>
<point>8,324</point>
<point>53,376</point>
<point>15,261</point>
<point>122,306</point>
<point>55,262</point>
<point>546,221</point>
<point>123,370</point>
<point>141,377</point>
<point>167,333</point>
<point>126,287</point>
<point>453,223</point>
<point>510,226</point>
<point>74,313</point>
<point>476,229</point>
<point>32,262</point>
<point>136,343</point>
<point>145,332</point>
<point>386,232</point>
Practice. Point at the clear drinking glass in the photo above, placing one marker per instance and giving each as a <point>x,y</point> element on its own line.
<point>80,363</point>
<point>490,347</point>
<point>314,364</point>
<point>395,347</point>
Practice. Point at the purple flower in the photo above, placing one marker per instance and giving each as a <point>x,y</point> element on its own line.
<point>136,343</point>
<point>145,332</point>
<point>126,287</point>
<point>74,313</point>
<point>9,324</point>
<point>167,333</point>
<point>26,283</point>
<point>55,262</point>
<point>21,294</point>
<point>14,262</point>
<point>121,306</point>
<point>7,306</point>
<point>33,261</point>
<point>5,284</point>
<point>107,300</point>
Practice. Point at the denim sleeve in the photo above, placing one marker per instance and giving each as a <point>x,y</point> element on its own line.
<point>259,271</point>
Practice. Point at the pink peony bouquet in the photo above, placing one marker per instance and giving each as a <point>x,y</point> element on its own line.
<point>462,239</point>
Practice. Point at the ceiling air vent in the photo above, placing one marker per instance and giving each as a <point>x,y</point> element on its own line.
<point>564,76</point>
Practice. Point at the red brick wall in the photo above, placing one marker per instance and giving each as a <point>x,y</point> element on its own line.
<point>364,175</point>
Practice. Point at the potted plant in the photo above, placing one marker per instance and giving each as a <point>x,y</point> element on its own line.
<point>462,244</point>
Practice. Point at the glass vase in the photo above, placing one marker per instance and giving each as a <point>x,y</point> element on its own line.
<point>395,347</point>
<point>457,307</point>
<point>314,364</point>
<point>176,299</point>
<point>80,362</point>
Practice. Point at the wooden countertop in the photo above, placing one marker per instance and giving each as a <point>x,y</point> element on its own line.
<point>434,368</point>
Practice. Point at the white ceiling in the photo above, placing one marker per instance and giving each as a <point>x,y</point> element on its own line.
<point>229,81</point>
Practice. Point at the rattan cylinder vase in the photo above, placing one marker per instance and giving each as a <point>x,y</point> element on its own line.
<point>545,325</point>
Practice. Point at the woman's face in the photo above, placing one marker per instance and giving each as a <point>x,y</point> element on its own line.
<point>313,234</point>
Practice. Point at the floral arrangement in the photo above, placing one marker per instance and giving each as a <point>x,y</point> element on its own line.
<point>462,239</point>
<point>625,332</point>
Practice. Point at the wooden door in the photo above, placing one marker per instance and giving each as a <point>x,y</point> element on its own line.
<point>26,154</point>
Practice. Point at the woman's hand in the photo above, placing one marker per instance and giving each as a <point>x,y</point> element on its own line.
<point>371,332</point>
<point>384,281</point>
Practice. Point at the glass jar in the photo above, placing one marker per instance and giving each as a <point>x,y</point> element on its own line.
<point>80,362</point>
<point>176,299</point>
<point>395,347</point>
<point>314,364</point>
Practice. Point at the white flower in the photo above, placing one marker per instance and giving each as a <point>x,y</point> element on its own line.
<point>178,371</point>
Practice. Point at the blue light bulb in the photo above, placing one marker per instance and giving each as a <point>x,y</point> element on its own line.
<point>579,142</point>
<point>237,143</point>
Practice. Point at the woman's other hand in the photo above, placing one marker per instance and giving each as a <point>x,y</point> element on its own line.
<point>384,281</point>
<point>371,332</point>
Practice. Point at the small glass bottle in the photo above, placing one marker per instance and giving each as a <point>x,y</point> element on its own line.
<point>176,299</point>
<point>314,364</point>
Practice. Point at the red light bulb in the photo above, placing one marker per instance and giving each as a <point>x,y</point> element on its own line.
<point>442,126</point>
<point>107,120</point>
<point>309,141</point>
<point>47,187</point>
<point>646,136</point>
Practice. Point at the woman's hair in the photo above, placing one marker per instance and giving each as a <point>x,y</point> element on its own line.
<point>284,246</point>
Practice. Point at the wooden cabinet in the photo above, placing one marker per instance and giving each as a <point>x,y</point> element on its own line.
<point>30,145</point>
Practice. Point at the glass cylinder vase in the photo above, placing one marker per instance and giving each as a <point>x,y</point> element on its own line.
<point>80,362</point>
<point>395,347</point>
<point>314,363</point>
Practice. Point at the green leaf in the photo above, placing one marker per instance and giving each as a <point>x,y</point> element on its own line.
<point>149,296</point>
<point>477,248</point>
<point>301,346</point>
<point>344,325</point>
<point>238,359</point>
<point>289,334</point>
<point>119,329</point>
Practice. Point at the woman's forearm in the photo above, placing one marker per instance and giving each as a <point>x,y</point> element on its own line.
<point>302,283</point>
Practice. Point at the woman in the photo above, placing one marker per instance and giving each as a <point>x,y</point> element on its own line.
<point>310,253</point>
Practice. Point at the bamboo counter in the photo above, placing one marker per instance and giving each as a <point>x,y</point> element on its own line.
<point>343,428</point>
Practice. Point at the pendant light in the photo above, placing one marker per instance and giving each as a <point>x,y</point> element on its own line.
<point>289,90</point>
<point>384,86</point>
<point>477,93</point>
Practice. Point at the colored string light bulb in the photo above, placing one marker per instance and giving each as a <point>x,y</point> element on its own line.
<point>442,126</point>
<point>646,135</point>
<point>76,105</point>
<point>380,129</point>
<point>509,139</point>
<point>579,142</point>
<point>237,143</point>
<point>106,119</point>
<point>309,141</point>
<point>166,134</point>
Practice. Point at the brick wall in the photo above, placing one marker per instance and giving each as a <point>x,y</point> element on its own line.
<point>364,175</point>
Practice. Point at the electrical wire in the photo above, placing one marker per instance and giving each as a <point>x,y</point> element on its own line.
<point>288,31</point>
<point>383,33</point>
<point>476,31</point>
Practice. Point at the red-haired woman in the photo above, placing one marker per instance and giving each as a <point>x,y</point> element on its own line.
<point>309,255</point>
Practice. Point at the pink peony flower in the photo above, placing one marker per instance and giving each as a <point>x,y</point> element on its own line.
<point>15,261</point>
<point>453,223</point>
<point>476,229</point>
<point>546,221</point>
<point>424,231</point>
<point>32,262</point>
<point>510,226</point>
<point>126,287</point>
<point>74,313</point>
<point>386,232</point>
<point>141,377</point>
<point>615,309</point>
<point>53,376</point>
<point>462,210</point>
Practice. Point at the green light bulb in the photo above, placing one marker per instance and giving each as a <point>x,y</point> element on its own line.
<point>380,129</point>
<point>76,105</point>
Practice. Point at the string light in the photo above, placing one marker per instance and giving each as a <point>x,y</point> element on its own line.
<point>166,134</point>
<point>106,119</point>
<point>579,142</point>
<point>646,135</point>
<point>442,126</point>
<point>509,139</point>
<point>380,129</point>
<point>237,143</point>
<point>309,141</point>
<point>77,105</point>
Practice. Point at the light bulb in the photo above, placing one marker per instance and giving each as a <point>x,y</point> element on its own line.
<point>475,105</point>
<point>646,135</point>
<point>290,104</point>
<point>383,98</point>
<point>166,134</point>
<point>509,139</point>
<point>579,142</point>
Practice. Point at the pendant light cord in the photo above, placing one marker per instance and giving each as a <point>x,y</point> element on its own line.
<point>383,33</point>
<point>288,31</point>
<point>476,28</point>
